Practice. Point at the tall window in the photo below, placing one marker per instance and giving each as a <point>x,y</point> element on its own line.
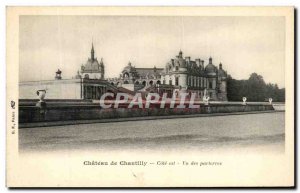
<point>176,81</point>
<point>170,82</point>
<point>201,83</point>
<point>210,84</point>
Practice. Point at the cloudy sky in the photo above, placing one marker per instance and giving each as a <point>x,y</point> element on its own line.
<point>243,44</point>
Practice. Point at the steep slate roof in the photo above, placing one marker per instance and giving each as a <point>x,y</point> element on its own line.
<point>143,72</point>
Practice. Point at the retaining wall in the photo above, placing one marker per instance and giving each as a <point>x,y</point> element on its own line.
<point>90,111</point>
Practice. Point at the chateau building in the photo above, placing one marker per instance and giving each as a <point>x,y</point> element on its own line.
<point>137,78</point>
<point>193,77</point>
<point>178,75</point>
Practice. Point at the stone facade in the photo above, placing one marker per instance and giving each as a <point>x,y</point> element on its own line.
<point>193,77</point>
<point>179,75</point>
<point>138,77</point>
<point>66,89</point>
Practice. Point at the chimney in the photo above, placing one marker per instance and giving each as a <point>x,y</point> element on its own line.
<point>172,62</point>
<point>198,62</point>
<point>210,60</point>
<point>188,59</point>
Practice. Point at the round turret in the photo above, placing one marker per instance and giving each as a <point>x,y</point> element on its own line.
<point>221,72</point>
<point>180,61</point>
<point>210,69</point>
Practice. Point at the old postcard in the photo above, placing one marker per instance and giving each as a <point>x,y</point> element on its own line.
<point>150,96</point>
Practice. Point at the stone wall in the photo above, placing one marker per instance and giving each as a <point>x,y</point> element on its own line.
<point>56,89</point>
<point>86,111</point>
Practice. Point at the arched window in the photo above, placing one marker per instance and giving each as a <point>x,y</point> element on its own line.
<point>125,75</point>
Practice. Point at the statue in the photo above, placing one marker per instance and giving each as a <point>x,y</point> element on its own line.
<point>41,103</point>
<point>244,101</point>
<point>205,98</point>
<point>270,101</point>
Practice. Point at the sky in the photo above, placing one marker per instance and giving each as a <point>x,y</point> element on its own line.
<point>243,44</point>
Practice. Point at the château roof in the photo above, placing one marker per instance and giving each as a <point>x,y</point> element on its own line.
<point>150,72</point>
<point>92,65</point>
<point>221,72</point>
<point>210,68</point>
<point>142,72</point>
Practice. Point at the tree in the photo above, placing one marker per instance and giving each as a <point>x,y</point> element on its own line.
<point>255,89</point>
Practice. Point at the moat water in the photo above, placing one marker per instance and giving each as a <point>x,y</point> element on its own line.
<point>255,132</point>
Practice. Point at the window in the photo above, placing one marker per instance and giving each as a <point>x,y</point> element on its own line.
<point>201,82</point>
<point>176,68</point>
<point>176,81</point>
<point>170,82</point>
<point>210,84</point>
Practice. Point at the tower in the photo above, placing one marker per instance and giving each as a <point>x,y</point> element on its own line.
<point>211,79</point>
<point>181,75</point>
<point>180,54</point>
<point>92,52</point>
<point>222,84</point>
<point>102,68</point>
<point>93,69</point>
